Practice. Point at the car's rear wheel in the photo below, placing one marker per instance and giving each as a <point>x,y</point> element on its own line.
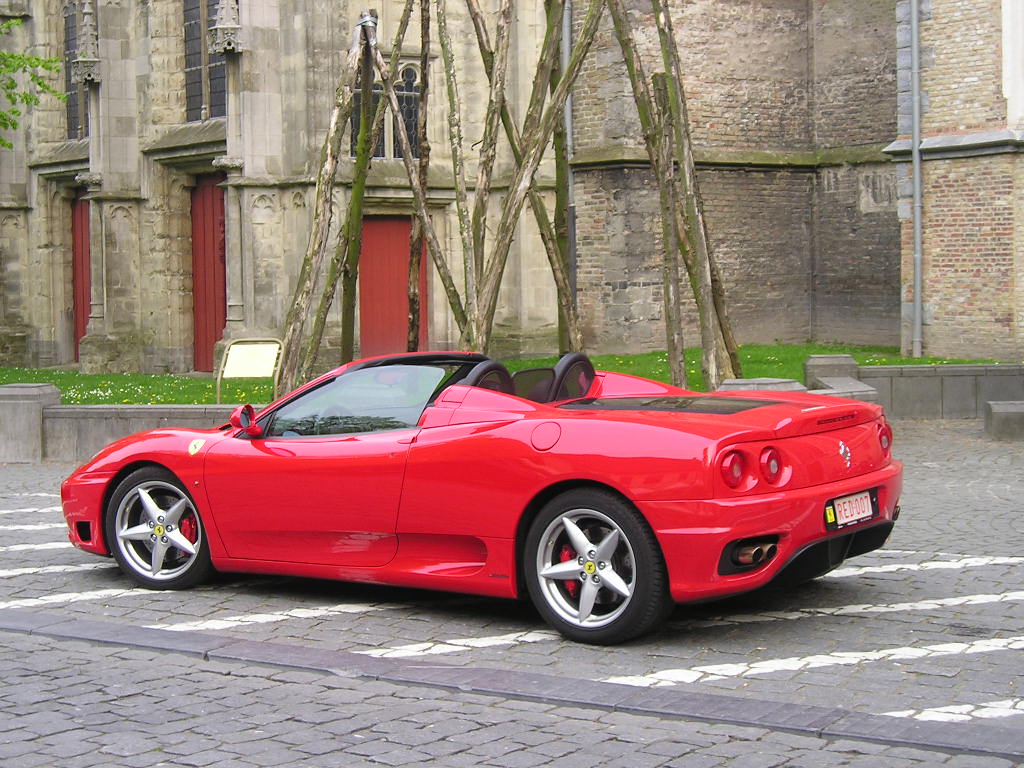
<point>594,569</point>
<point>155,532</point>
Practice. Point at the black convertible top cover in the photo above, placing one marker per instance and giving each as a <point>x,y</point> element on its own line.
<point>709,405</point>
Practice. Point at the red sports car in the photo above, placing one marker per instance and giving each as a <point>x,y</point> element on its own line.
<point>605,497</point>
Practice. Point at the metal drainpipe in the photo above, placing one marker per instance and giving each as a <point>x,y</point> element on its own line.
<point>570,176</point>
<point>915,154</point>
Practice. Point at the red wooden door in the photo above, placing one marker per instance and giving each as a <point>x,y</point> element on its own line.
<point>209,294</point>
<point>383,286</point>
<point>81,278</point>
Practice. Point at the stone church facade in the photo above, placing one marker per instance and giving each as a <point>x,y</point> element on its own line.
<point>166,205</point>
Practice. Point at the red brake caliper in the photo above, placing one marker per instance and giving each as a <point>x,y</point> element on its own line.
<point>571,585</point>
<point>189,529</point>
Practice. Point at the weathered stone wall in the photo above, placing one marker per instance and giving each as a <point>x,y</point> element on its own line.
<point>789,104</point>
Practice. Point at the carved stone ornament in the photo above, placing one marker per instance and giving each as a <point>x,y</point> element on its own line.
<point>225,32</point>
<point>226,163</point>
<point>85,67</point>
<point>91,181</point>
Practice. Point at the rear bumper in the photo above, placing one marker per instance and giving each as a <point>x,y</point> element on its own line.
<point>694,534</point>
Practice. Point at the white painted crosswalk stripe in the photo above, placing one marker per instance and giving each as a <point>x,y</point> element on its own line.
<point>860,609</point>
<point>460,644</point>
<point>30,547</point>
<point>817,661</point>
<point>43,569</point>
<point>33,527</point>
<point>267,618</point>
<point>930,565</point>
<point>69,597</point>
<point>958,713</point>
<point>28,510</point>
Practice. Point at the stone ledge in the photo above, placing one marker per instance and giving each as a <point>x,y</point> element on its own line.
<point>1004,419</point>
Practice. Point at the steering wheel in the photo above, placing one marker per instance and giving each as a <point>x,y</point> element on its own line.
<point>330,418</point>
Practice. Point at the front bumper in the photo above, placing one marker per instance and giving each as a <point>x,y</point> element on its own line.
<point>82,499</point>
<point>694,534</point>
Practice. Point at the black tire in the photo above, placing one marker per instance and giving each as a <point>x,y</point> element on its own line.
<point>597,597</point>
<point>151,540</point>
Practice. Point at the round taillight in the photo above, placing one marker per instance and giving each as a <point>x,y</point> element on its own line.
<point>733,469</point>
<point>771,465</point>
<point>885,438</point>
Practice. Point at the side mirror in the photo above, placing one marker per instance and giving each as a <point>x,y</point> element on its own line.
<point>244,418</point>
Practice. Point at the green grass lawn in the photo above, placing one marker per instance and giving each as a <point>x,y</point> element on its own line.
<point>784,361</point>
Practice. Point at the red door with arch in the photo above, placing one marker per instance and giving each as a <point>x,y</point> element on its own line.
<point>383,286</point>
<point>81,278</point>
<point>209,291</point>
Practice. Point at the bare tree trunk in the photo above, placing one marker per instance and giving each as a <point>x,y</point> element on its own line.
<point>471,264</point>
<point>346,252</point>
<point>714,360</point>
<point>649,114</point>
<point>316,250</point>
<point>420,197</point>
<point>671,273</point>
<point>534,141</point>
<point>709,279</point>
<point>559,271</point>
<point>416,236</point>
<point>352,236</point>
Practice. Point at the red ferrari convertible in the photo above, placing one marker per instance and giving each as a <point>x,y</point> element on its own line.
<point>605,497</point>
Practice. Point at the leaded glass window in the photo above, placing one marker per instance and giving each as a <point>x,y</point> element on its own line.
<point>77,105</point>
<point>205,75</point>
<point>408,91</point>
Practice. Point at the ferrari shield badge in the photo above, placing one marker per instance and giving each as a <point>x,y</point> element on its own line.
<point>194,446</point>
<point>844,451</point>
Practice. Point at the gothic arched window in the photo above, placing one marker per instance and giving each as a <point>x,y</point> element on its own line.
<point>76,106</point>
<point>205,75</point>
<point>408,91</point>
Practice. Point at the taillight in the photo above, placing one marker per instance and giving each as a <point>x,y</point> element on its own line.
<point>734,469</point>
<point>771,465</point>
<point>885,439</point>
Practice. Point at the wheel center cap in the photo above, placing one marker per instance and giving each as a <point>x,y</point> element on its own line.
<point>590,567</point>
<point>159,530</point>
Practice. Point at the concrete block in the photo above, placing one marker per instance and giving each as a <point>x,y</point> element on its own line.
<point>843,386</point>
<point>781,385</point>
<point>881,384</point>
<point>818,366</point>
<point>917,397</point>
<point>959,395</point>
<point>1004,420</point>
<point>21,420</point>
<point>999,384</point>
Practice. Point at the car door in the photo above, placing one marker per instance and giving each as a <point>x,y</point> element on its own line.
<point>322,484</point>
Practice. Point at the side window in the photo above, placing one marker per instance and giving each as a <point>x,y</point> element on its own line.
<point>365,400</point>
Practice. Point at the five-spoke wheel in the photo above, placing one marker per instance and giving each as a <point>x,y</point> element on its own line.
<point>155,533</point>
<point>594,569</point>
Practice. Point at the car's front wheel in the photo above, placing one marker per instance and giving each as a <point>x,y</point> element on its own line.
<point>594,569</point>
<point>155,533</point>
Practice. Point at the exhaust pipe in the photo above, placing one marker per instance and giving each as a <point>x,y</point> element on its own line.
<point>752,554</point>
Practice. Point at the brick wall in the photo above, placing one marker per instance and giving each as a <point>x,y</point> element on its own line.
<point>969,265</point>
<point>963,73</point>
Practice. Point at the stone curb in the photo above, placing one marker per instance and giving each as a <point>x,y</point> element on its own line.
<point>808,720</point>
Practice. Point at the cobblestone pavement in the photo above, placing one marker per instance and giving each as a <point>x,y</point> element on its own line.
<point>898,653</point>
